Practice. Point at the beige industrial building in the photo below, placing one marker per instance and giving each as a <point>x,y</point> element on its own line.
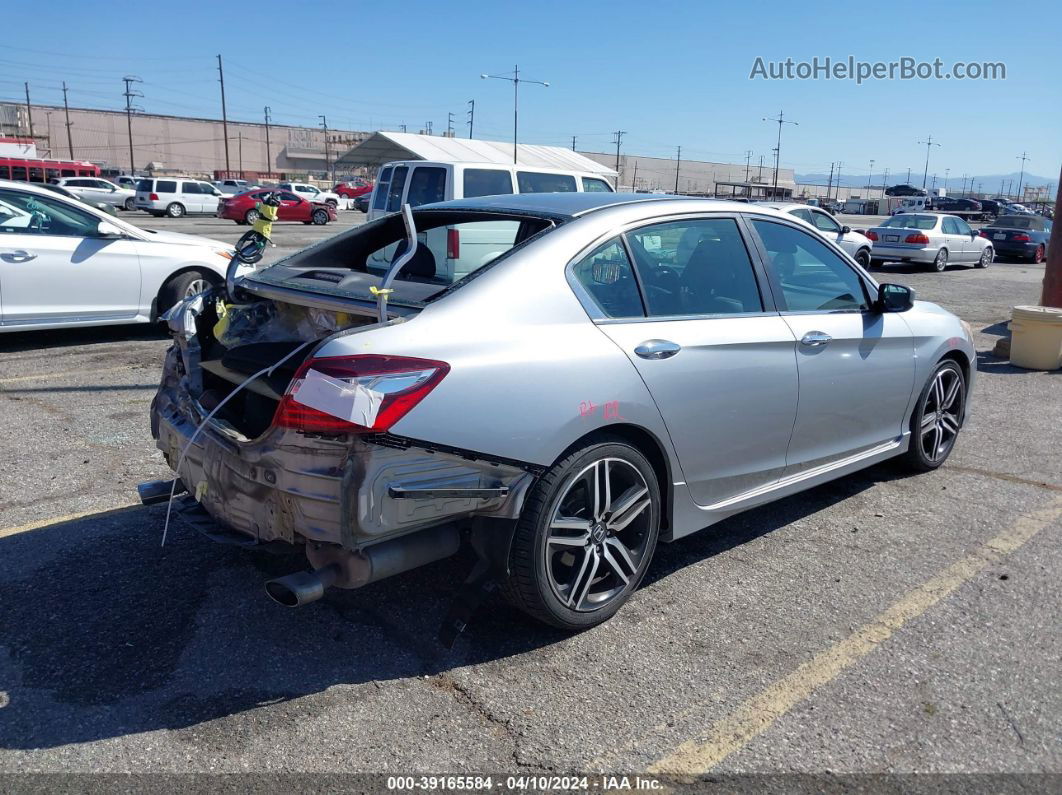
<point>175,144</point>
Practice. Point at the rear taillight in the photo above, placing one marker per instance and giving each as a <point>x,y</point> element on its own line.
<point>154,197</point>
<point>917,237</point>
<point>983,233</point>
<point>399,383</point>
<point>872,235</point>
<point>1021,237</point>
<point>453,244</point>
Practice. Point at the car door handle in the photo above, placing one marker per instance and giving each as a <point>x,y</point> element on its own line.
<point>657,349</point>
<point>17,256</point>
<point>814,339</point>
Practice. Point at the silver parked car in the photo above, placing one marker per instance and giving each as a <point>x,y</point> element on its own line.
<point>623,369</point>
<point>934,239</point>
<point>855,244</point>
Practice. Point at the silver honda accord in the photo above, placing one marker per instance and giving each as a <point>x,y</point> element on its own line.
<point>559,380</point>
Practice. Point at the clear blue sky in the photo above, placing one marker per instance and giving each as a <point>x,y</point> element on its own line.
<point>668,73</point>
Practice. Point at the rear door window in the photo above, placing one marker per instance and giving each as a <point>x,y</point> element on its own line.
<point>607,276</point>
<point>382,184</point>
<point>427,185</point>
<point>190,187</point>
<point>539,182</point>
<point>486,182</point>
<point>166,186</point>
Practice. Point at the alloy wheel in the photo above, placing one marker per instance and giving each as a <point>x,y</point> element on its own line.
<point>195,287</point>
<point>598,534</point>
<point>1038,256</point>
<point>941,261</point>
<point>942,414</point>
<point>986,257</point>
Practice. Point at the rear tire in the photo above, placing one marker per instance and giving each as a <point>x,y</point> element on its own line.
<point>175,210</point>
<point>1038,255</point>
<point>937,419</point>
<point>319,217</point>
<point>580,548</point>
<point>986,258</point>
<point>180,287</point>
<point>250,216</point>
<point>130,204</point>
<point>940,262</point>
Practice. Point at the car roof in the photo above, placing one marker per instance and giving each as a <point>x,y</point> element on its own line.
<point>573,204</point>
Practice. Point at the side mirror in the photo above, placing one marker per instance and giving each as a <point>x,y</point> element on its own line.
<point>894,298</point>
<point>113,189</point>
<point>107,229</point>
<point>973,235</point>
<point>845,230</point>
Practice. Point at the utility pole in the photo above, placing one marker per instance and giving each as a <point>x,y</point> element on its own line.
<point>269,151</point>
<point>759,174</point>
<point>934,185</point>
<point>129,94</point>
<point>240,150</point>
<point>908,176</point>
<point>573,143</point>
<point>829,184</point>
<point>449,125</point>
<point>1022,158</point>
<point>516,80</point>
<point>328,159</point>
<point>69,136</point>
<point>884,182</point>
<point>427,126</point>
<point>778,148</point>
<point>619,137</point>
<point>929,144</point>
<point>946,172</point>
<point>471,115</point>
<point>869,177</point>
<point>29,112</point>
<point>1001,181</point>
<point>678,162</point>
<point>634,182</point>
<point>748,162</point>
<point>224,115</point>
<point>403,127</point>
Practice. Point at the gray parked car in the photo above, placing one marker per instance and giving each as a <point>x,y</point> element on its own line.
<point>623,369</point>
<point>933,239</point>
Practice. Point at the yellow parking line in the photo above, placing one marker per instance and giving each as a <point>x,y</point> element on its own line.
<point>762,710</point>
<point>65,374</point>
<point>42,523</point>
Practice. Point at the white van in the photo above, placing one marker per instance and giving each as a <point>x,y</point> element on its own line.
<point>912,204</point>
<point>458,251</point>
<point>176,196</point>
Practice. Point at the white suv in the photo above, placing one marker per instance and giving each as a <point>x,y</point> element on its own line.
<point>94,189</point>
<point>310,193</point>
<point>176,196</point>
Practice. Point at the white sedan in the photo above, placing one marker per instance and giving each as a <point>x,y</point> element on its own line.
<point>854,244</point>
<point>311,193</point>
<point>63,263</point>
<point>933,239</point>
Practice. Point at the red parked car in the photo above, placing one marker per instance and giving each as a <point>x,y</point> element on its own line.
<point>353,189</point>
<point>241,208</point>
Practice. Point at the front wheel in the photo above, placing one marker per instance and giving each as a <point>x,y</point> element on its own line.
<point>319,217</point>
<point>175,210</point>
<point>585,537</point>
<point>183,285</point>
<point>986,258</point>
<point>938,418</point>
<point>863,258</point>
<point>250,216</point>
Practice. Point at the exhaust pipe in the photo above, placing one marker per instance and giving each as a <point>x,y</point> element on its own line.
<point>342,568</point>
<point>302,587</point>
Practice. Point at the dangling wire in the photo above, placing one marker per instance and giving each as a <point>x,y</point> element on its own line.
<point>180,459</point>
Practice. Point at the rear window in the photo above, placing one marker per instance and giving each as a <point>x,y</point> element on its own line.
<point>166,186</point>
<point>382,184</point>
<point>1018,222</point>
<point>145,185</point>
<point>486,182</point>
<point>911,222</point>
<point>538,182</point>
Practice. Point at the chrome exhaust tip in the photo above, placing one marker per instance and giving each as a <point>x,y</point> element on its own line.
<point>301,587</point>
<point>155,491</point>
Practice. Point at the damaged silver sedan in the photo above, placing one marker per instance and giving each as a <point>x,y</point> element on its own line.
<point>560,380</point>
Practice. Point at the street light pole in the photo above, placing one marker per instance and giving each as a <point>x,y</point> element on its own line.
<point>929,143</point>
<point>516,80</point>
<point>778,148</point>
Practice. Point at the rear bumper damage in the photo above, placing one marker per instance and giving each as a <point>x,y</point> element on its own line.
<point>365,507</point>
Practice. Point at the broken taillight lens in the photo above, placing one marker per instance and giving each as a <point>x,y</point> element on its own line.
<point>402,381</point>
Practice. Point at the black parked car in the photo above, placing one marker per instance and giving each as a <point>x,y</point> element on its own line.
<point>993,207</point>
<point>1023,236</point>
<point>963,207</point>
<point>904,190</point>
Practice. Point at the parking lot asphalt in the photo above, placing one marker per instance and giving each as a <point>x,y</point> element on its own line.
<point>880,623</point>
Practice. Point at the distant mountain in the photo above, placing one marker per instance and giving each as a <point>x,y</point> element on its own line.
<point>989,182</point>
